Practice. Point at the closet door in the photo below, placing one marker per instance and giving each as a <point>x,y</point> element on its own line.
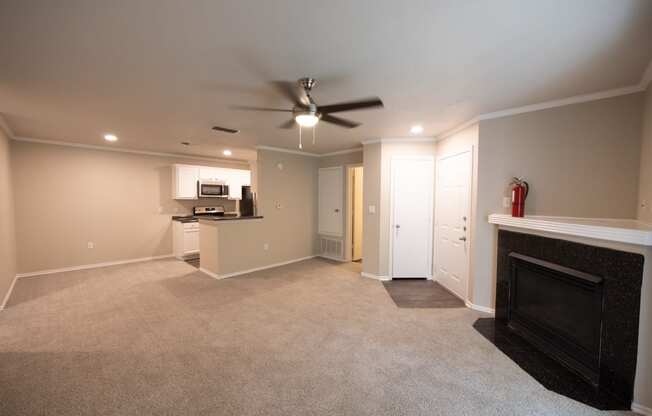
<point>331,198</point>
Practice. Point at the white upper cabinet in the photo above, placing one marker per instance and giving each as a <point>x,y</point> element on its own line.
<point>185,177</point>
<point>208,173</point>
<point>331,198</point>
<point>236,180</point>
<point>184,181</point>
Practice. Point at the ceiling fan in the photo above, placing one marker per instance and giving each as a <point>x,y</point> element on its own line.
<point>306,112</point>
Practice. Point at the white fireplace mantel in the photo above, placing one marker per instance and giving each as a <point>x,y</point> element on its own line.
<point>617,230</point>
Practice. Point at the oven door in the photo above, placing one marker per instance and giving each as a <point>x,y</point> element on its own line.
<point>211,190</point>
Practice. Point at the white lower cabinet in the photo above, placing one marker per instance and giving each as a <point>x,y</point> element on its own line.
<point>185,239</point>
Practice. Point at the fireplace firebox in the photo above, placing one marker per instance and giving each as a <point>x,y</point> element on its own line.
<point>559,310</point>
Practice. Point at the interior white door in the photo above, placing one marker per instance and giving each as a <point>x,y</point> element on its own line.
<point>331,198</point>
<point>412,189</point>
<point>452,215</point>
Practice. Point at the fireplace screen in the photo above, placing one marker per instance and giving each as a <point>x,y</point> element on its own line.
<point>559,310</point>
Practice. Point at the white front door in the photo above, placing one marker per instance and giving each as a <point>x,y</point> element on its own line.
<point>452,216</point>
<point>411,225</point>
<point>331,197</point>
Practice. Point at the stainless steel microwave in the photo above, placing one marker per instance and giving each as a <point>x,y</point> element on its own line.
<point>212,189</point>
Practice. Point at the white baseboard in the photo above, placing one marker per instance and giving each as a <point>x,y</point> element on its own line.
<point>11,289</point>
<point>91,266</point>
<point>208,272</point>
<point>269,266</point>
<point>640,409</point>
<point>341,260</point>
<point>375,277</point>
<point>480,308</point>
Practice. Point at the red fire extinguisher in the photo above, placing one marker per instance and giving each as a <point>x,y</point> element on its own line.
<point>520,189</point>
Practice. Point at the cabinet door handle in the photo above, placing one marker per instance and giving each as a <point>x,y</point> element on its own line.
<point>462,238</point>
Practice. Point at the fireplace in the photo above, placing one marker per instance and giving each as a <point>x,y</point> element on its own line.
<point>568,314</point>
<point>559,310</point>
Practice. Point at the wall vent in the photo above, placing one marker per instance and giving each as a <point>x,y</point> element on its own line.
<point>332,248</point>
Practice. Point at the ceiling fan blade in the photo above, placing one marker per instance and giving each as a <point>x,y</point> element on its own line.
<point>226,130</point>
<point>288,124</point>
<point>352,105</point>
<point>339,121</point>
<point>248,108</point>
<point>291,91</point>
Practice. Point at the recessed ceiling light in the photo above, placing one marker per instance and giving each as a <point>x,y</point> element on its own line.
<point>110,137</point>
<point>416,129</point>
<point>227,152</point>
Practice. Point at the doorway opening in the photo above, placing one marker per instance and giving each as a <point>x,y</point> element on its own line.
<point>355,210</point>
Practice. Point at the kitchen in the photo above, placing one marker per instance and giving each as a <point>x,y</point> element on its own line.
<point>222,194</point>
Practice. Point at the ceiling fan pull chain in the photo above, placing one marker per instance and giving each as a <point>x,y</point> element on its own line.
<point>300,145</point>
<point>313,133</point>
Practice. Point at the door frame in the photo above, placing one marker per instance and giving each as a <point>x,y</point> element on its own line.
<point>470,223</point>
<point>431,209</point>
<point>348,230</point>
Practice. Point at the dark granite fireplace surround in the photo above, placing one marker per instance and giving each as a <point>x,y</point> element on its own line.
<point>568,313</point>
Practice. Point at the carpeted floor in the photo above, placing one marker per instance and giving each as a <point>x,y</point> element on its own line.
<point>311,338</point>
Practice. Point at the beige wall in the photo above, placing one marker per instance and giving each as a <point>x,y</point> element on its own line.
<point>68,196</point>
<point>287,199</point>
<point>292,229</point>
<point>645,185</point>
<point>371,196</point>
<point>581,160</point>
<point>7,228</point>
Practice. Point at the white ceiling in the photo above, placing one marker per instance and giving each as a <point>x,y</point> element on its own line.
<point>158,72</point>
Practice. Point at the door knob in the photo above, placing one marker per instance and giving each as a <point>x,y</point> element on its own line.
<point>397,226</point>
<point>462,238</point>
<point>337,210</point>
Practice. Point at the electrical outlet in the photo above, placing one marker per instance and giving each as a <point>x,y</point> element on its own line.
<point>507,202</point>
<point>91,244</point>
<point>266,246</point>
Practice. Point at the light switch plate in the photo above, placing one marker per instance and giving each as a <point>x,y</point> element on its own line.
<point>372,209</point>
<point>507,202</point>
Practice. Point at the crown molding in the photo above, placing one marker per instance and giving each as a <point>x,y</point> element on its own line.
<point>402,140</point>
<point>284,150</point>
<point>342,152</point>
<point>4,126</point>
<point>578,99</point>
<point>124,150</point>
<point>546,105</point>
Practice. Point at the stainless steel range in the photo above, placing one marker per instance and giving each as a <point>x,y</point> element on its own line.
<point>217,211</point>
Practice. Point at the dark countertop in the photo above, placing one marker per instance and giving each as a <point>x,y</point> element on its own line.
<point>195,218</point>
<point>231,218</point>
<point>185,218</point>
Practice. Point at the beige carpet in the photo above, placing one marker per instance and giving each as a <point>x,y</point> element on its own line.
<point>312,338</point>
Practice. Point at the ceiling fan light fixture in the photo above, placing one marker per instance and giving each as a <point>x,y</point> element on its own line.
<point>306,120</point>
